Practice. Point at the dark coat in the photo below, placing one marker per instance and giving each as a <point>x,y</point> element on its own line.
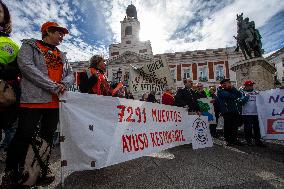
<point>228,100</point>
<point>151,98</point>
<point>87,83</point>
<point>187,97</point>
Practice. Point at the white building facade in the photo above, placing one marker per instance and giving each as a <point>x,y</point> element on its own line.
<point>277,59</point>
<point>205,66</point>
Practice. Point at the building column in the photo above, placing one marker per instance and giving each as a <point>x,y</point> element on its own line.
<point>211,70</point>
<point>194,71</point>
<point>179,72</point>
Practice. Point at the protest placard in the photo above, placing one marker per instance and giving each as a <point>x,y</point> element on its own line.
<point>150,77</point>
<point>270,109</point>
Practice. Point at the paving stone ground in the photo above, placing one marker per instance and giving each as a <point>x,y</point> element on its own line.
<point>181,167</point>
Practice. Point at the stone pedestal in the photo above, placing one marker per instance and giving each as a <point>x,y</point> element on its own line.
<point>259,70</point>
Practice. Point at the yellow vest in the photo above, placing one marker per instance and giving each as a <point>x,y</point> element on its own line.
<point>8,50</point>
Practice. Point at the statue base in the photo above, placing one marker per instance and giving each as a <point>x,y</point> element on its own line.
<point>258,70</point>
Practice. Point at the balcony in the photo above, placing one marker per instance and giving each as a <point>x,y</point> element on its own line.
<point>203,79</point>
<point>219,78</point>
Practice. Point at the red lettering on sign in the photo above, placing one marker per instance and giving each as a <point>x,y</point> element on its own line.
<point>130,111</point>
<point>166,137</point>
<point>131,114</point>
<point>153,139</point>
<point>134,142</point>
<point>121,113</point>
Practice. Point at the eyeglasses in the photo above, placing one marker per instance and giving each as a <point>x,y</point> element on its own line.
<point>61,34</point>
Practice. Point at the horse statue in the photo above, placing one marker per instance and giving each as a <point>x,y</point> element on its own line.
<point>248,38</point>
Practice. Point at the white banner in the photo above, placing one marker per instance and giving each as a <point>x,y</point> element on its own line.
<point>151,77</point>
<point>99,131</point>
<point>270,108</point>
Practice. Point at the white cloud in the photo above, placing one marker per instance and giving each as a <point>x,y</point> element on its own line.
<point>171,26</point>
<point>160,19</point>
<point>29,15</point>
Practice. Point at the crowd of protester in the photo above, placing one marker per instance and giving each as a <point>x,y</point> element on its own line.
<point>39,73</point>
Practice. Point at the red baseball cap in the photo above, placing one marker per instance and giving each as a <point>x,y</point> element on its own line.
<point>249,82</point>
<point>47,25</point>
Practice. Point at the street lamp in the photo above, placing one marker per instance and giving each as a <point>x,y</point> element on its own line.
<point>119,74</point>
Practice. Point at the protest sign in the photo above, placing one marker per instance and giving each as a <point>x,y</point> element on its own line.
<point>270,109</point>
<point>150,77</point>
<point>99,131</point>
<point>200,134</point>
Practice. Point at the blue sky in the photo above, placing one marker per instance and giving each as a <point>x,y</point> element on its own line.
<point>170,25</point>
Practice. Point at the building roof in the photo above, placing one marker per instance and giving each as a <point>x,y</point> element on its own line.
<point>276,54</point>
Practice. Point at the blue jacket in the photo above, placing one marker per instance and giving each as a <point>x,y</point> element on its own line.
<point>228,101</point>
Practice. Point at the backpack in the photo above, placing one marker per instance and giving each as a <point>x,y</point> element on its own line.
<point>7,94</point>
<point>36,161</point>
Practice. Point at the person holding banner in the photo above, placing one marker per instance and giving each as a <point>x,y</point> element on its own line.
<point>228,104</point>
<point>93,80</point>
<point>186,97</point>
<point>249,113</point>
<point>46,74</point>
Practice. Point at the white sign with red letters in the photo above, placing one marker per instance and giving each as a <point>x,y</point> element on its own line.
<point>99,131</point>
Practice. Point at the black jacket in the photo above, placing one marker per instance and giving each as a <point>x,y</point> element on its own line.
<point>151,98</point>
<point>187,97</point>
<point>86,83</point>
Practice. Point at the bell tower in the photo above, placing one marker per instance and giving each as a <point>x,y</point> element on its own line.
<point>130,27</point>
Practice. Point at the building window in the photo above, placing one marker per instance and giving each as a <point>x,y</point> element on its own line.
<point>143,51</point>
<point>128,42</point>
<point>186,73</point>
<point>203,75</point>
<point>219,72</point>
<point>114,53</point>
<point>173,74</point>
<point>128,30</point>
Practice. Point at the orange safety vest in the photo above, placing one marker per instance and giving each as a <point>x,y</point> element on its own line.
<point>101,87</point>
